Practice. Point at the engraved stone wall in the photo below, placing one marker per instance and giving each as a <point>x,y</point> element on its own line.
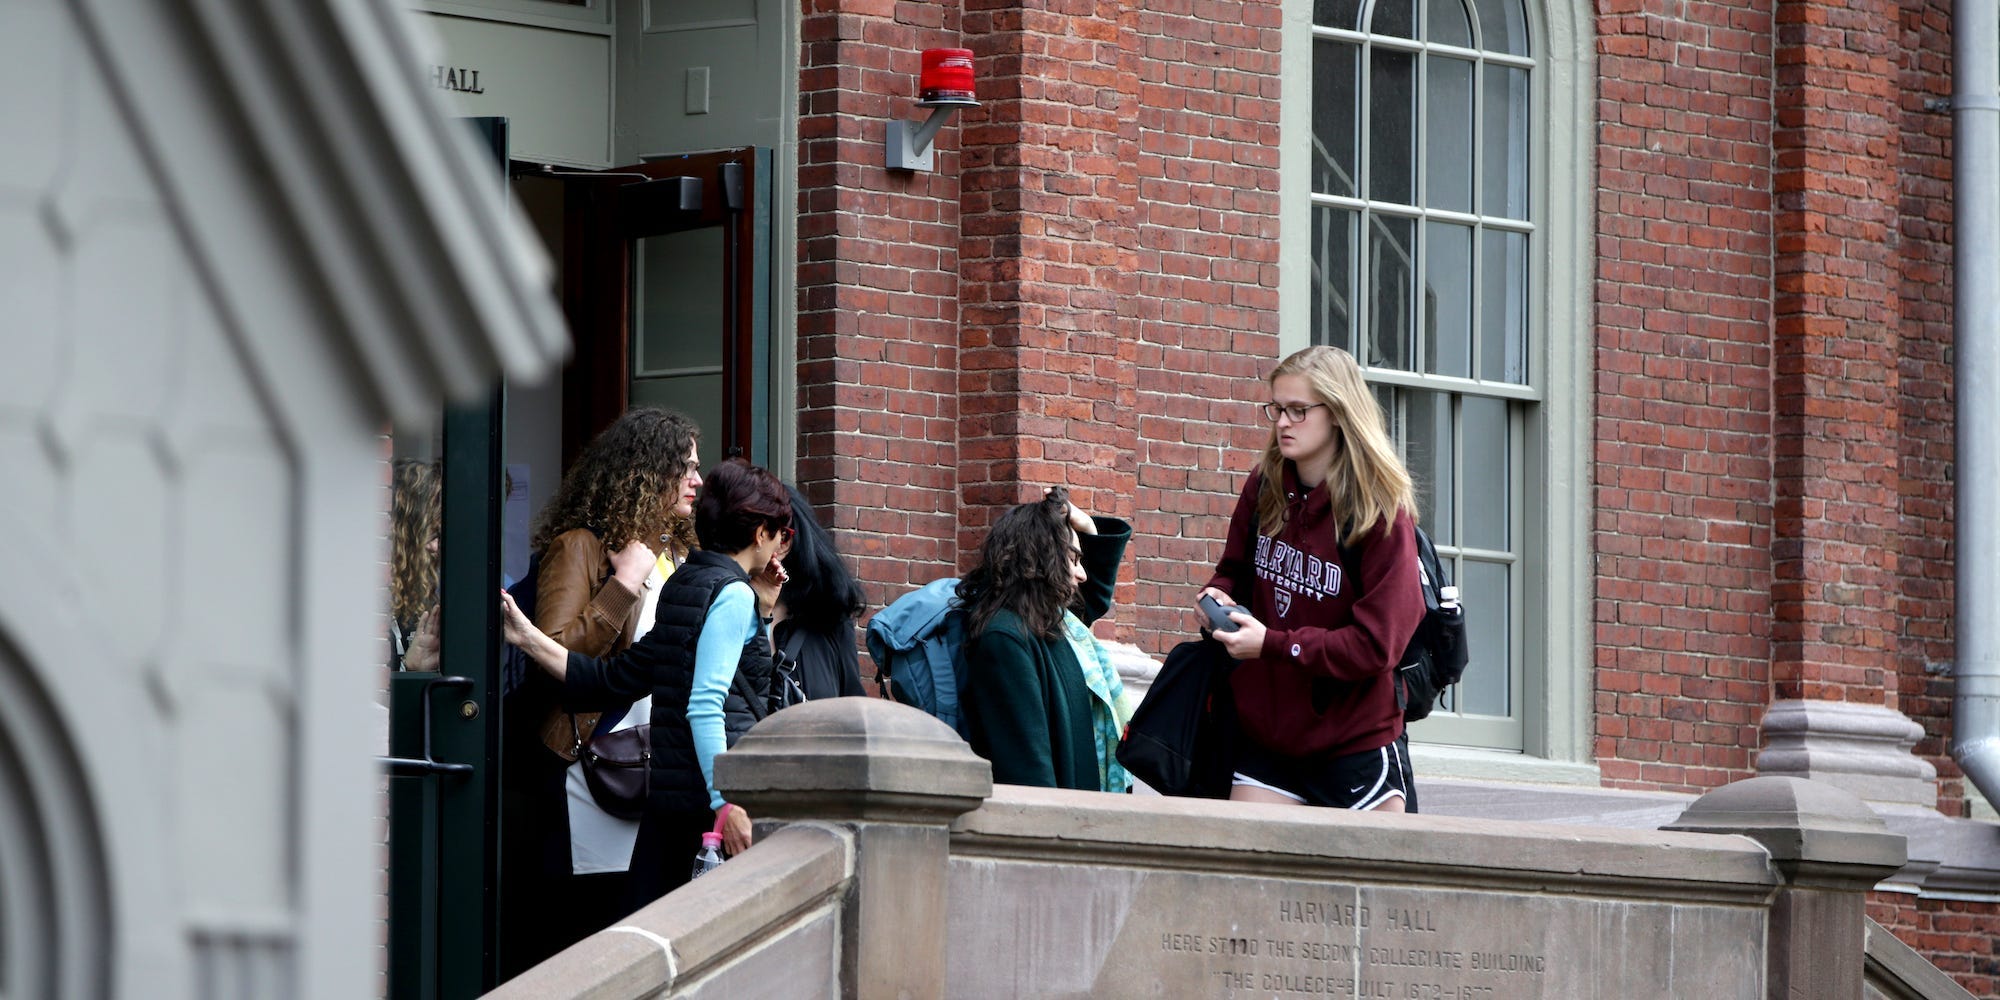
<point>1062,930</point>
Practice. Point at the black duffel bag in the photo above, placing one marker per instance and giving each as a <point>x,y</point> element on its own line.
<point>1181,741</point>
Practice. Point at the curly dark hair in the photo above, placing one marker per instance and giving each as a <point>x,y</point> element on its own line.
<point>615,486</point>
<point>414,520</point>
<point>822,593</point>
<point>736,499</point>
<point>1024,567</point>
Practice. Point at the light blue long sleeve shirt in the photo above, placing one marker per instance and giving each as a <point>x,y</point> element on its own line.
<point>732,624</point>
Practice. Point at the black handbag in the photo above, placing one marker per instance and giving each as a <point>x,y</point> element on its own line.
<point>617,768</point>
<point>1182,739</point>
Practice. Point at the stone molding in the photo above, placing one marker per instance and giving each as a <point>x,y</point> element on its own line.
<point>1864,749</point>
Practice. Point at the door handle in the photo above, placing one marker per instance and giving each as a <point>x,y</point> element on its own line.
<point>418,767</point>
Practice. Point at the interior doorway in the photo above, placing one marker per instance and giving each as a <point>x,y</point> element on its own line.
<point>667,284</point>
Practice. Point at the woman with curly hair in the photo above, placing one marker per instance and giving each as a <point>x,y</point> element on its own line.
<point>601,551</point>
<point>706,667</point>
<point>817,609</point>
<point>415,516</point>
<point>1041,699</point>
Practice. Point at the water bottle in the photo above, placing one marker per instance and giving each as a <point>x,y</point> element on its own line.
<point>709,858</point>
<point>1448,598</point>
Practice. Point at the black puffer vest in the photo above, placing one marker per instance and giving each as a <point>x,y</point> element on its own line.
<point>677,622</point>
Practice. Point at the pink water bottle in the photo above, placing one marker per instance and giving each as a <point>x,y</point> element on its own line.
<point>709,858</point>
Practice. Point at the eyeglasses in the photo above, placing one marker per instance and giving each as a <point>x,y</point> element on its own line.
<point>1293,413</point>
<point>788,533</point>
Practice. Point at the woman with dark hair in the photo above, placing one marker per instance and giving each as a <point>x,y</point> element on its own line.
<point>706,664</point>
<point>817,609</point>
<point>618,525</point>
<point>1042,700</point>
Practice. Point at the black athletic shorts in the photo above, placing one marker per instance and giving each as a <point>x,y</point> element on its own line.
<point>1349,781</point>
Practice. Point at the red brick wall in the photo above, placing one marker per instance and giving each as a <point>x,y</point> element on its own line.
<point>1084,291</point>
<point>1046,375</point>
<point>1683,356</point>
<point>878,295</point>
<point>1207,286</point>
<point>1836,408</point>
<point>1958,937</point>
<point>1924,650</point>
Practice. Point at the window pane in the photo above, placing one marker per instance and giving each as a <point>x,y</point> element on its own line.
<point>1504,177</point>
<point>1503,26</point>
<point>1426,437</point>
<point>1392,119</point>
<point>1391,292</point>
<point>1395,17</point>
<point>1503,313</point>
<point>1448,299</point>
<point>1488,470</point>
<point>678,312</point>
<point>698,396</point>
<point>1448,134</point>
<point>1336,92</point>
<point>1333,276</point>
<point>1445,21</point>
<point>1483,592</point>
<point>1338,14</point>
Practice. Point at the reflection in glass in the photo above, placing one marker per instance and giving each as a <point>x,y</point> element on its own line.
<point>1336,89</point>
<point>1391,292</point>
<point>1483,589</point>
<point>1395,17</point>
<point>1486,463</point>
<point>677,310</point>
<point>1446,22</point>
<point>1427,447</point>
<point>1448,132</point>
<point>1333,276</point>
<point>1503,26</point>
<point>1504,145</point>
<point>1392,121</point>
<point>1448,298</point>
<point>678,334</point>
<point>1503,313</point>
<point>416,530</point>
<point>1337,14</point>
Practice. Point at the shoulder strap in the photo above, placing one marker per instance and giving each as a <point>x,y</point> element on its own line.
<point>758,707</point>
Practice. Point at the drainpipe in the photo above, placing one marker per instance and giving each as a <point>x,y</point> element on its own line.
<point>1975,42</point>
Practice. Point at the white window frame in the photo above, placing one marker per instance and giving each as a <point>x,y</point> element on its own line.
<point>1558,635</point>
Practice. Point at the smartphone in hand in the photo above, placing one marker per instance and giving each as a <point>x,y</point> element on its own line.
<point>1218,614</point>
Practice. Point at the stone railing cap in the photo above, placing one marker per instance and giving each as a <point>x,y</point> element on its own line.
<point>1809,827</point>
<point>853,758</point>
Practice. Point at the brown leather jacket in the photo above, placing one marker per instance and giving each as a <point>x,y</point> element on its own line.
<point>580,606</point>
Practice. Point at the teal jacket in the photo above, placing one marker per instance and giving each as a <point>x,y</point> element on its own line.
<point>1025,703</point>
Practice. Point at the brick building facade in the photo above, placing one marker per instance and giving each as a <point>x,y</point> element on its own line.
<point>1107,258</point>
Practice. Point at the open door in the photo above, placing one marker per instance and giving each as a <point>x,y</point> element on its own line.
<point>667,296</point>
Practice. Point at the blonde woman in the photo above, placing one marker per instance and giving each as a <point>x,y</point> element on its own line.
<point>1321,564</point>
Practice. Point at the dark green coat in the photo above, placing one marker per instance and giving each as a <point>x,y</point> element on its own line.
<point>1025,702</point>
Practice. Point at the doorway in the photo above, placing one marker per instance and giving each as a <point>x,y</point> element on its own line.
<point>667,285</point>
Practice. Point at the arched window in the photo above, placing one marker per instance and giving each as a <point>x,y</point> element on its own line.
<point>1424,254</point>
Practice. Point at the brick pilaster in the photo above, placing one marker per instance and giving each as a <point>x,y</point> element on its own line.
<point>1835,384</point>
<point>878,294</point>
<point>1683,359</point>
<point>1046,375</point>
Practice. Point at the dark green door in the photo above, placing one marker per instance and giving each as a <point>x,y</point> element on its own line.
<point>445,727</point>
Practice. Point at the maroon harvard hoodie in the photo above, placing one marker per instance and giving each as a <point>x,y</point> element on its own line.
<point>1336,627</point>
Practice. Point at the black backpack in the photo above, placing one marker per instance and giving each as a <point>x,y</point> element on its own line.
<point>1436,656</point>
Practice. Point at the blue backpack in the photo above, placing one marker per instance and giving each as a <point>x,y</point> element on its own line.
<point>914,643</point>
